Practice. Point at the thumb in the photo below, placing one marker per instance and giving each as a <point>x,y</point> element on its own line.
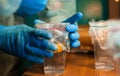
<point>74,18</point>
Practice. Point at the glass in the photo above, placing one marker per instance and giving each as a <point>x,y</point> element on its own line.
<point>103,58</point>
<point>103,55</point>
<point>56,64</point>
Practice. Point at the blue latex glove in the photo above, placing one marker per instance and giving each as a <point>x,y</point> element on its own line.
<point>73,28</point>
<point>29,7</point>
<point>23,41</point>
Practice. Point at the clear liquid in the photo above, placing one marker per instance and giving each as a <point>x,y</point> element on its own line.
<point>103,58</point>
<point>104,63</point>
<point>54,69</point>
<point>56,64</point>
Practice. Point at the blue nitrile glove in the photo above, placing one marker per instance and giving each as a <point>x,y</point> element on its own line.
<point>73,28</point>
<point>29,7</point>
<point>22,41</point>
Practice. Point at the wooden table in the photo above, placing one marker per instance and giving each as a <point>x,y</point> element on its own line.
<point>76,65</point>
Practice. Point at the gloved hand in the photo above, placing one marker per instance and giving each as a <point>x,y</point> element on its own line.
<point>73,28</point>
<point>23,41</point>
<point>29,7</point>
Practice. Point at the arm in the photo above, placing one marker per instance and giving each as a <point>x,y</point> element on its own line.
<point>29,7</point>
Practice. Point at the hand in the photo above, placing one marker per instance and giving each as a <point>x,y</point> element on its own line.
<point>72,29</point>
<point>29,7</point>
<point>23,41</point>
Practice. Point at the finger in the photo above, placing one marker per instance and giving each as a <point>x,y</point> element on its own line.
<point>71,28</point>
<point>74,18</point>
<point>74,36</point>
<point>33,58</point>
<point>75,43</point>
<point>37,21</point>
<point>37,51</point>
<point>42,33</point>
<point>44,44</point>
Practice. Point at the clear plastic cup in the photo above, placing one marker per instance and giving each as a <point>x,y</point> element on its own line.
<point>103,55</point>
<point>56,64</point>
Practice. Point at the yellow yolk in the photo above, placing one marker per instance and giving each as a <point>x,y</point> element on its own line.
<point>59,48</point>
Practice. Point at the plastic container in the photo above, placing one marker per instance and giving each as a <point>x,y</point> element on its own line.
<point>56,64</point>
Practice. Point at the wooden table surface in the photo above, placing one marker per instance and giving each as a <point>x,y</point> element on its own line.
<point>76,65</point>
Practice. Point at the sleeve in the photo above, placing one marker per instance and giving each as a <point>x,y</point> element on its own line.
<point>8,7</point>
<point>30,7</point>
